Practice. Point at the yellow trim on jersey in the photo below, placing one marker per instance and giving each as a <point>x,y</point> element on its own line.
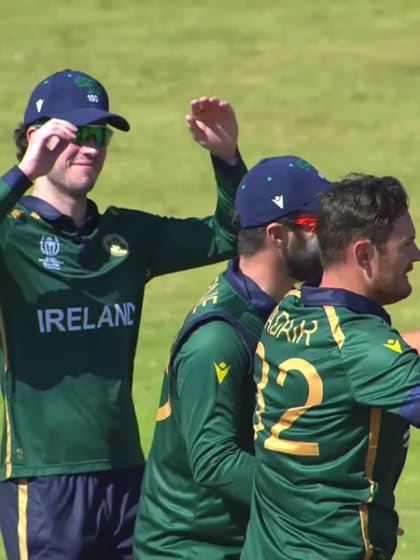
<point>23,520</point>
<point>292,292</point>
<point>164,411</point>
<point>335,328</point>
<point>35,215</point>
<point>374,429</point>
<point>8,459</point>
<point>364,522</point>
<point>15,213</point>
<point>3,341</point>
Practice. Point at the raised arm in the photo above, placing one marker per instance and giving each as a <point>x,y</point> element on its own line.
<point>45,145</point>
<point>187,243</point>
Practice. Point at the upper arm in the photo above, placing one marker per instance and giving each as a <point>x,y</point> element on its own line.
<point>181,244</point>
<point>385,373</point>
<point>212,372</point>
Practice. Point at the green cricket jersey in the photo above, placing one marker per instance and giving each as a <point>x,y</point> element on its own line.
<point>197,486</point>
<point>336,390</point>
<point>71,303</point>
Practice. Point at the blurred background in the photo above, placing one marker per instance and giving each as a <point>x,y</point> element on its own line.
<point>334,82</point>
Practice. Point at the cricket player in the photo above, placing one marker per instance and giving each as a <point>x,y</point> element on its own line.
<point>71,290</point>
<point>337,388</point>
<point>198,481</point>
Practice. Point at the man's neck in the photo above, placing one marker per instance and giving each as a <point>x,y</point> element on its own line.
<point>74,207</point>
<point>270,277</point>
<point>343,279</point>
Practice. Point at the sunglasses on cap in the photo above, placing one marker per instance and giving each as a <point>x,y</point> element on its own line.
<point>100,134</point>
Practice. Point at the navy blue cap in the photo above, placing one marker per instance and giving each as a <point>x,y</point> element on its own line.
<point>73,96</point>
<point>276,187</point>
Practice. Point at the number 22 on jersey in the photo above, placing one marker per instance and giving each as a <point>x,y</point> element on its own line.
<point>277,441</point>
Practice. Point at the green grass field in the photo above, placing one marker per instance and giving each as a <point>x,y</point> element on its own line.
<point>335,82</point>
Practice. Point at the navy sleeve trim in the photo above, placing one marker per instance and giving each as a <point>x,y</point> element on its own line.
<point>16,179</point>
<point>410,410</point>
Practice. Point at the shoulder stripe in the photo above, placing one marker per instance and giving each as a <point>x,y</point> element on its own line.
<point>334,323</point>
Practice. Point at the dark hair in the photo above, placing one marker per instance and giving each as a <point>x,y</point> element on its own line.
<point>251,240</point>
<point>21,141</point>
<point>359,206</point>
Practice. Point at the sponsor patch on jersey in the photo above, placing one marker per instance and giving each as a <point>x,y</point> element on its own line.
<point>50,248</point>
<point>394,344</point>
<point>221,370</point>
<point>116,245</point>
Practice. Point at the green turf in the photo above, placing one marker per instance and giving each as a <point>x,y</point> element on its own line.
<point>336,82</point>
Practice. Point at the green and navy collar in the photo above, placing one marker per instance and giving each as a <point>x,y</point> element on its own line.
<point>318,297</point>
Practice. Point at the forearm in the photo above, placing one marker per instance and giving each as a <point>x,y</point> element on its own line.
<point>193,242</point>
<point>228,178</point>
<point>226,469</point>
<point>13,185</point>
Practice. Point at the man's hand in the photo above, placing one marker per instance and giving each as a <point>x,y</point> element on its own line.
<point>45,144</point>
<point>213,124</point>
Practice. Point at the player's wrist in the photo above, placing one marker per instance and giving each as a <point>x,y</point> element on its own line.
<point>16,179</point>
<point>230,159</point>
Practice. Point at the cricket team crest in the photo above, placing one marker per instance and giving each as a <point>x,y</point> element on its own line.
<point>93,90</point>
<point>50,248</point>
<point>116,245</point>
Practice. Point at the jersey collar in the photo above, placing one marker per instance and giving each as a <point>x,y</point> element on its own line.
<point>318,297</point>
<point>50,214</point>
<point>248,289</point>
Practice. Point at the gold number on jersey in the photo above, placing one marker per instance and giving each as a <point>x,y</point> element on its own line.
<point>258,426</point>
<point>276,442</point>
<point>315,393</point>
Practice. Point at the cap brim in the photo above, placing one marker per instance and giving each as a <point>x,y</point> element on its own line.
<point>81,117</point>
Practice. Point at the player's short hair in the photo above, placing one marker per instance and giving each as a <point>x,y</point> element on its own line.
<point>359,207</point>
<point>21,141</point>
<point>252,240</point>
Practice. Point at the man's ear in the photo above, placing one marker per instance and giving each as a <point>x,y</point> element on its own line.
<point>277,233</point>
<point>29,131</point>
<point>364,252</point>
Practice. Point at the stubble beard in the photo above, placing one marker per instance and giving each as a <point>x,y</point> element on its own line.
<point>303,260</point>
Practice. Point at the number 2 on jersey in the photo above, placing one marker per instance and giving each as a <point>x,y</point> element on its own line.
<point>276,442</point>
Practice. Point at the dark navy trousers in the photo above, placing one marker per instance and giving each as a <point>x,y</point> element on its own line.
<point>72,517</point>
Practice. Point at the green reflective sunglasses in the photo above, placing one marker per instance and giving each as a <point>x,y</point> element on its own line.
<point>100,134</point>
